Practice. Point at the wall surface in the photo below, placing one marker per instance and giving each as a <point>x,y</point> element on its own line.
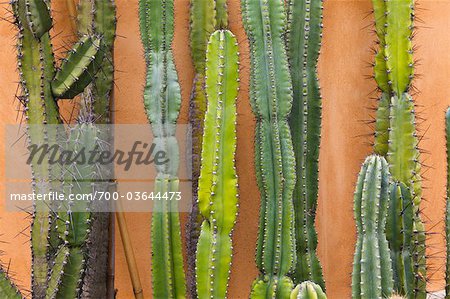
<point>348,94</point>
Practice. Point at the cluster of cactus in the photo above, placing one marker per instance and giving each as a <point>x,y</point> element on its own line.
<point>162,100</point>
<point>396,139</point>
<point>271,99</point>
<point>303,44</point>
<point>372,270</point>
<point>217,188</point>
<point>58,238</point>
<point>205,17</point>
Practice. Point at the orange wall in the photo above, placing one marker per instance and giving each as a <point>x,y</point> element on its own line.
<point>344,66</point>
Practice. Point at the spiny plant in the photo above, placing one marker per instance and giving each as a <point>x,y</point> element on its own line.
<point>7,288</point>
<point>308,290</point>
<point>162,100</point>
<point>447,208</point>
<point>98,17</point>
<point>372,271</point>
<point>396,138</point>
<point>303,44</point>
<point>57,239</point>
<point>205,17</point>
<point>271,99</point>
<point>217,188</point>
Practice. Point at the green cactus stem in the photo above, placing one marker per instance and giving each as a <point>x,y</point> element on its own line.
<point>272,288</point>
<point>447,208</point>
<point>308,290</point>
<point>162,100</point>
<point>38,16</point>
<point>372,272</point>
<point>304,41</point>
<point>8,289</point>
<point>271,99</point>
<point>217,193</point>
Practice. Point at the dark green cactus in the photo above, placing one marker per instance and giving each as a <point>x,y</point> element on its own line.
<point>372,272</point>
<point>217,189</point>
<point>396,138</point>
<point>308,290</point>
<point>304,41</point>
<point>8,289</point>
<point>271,99</point>
<point>447,207</point>
<point>206,16</point>
<point>162,100</point>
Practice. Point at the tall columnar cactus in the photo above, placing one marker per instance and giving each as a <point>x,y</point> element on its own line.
<point>308,290</point>
<point>217,192</point>
<point>162,100</point>
<point>447,208</point>
<point>372,272</point>
<point>206,16</point>
<point>396,138</point>
<point>304,41</point>
<point>41,85</point>
<point>271,98</point>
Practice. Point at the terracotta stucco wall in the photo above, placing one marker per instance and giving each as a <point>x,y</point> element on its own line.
<point>344,66</point>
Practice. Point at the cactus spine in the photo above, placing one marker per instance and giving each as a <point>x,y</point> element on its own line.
<point>162,100</point>
<point>372,272</point>
<point>206,16</point>
<point>304,41</point>
<point>396,138</point>
<point>8,289</point>
<point>308,290</point>
<point>217,192</point>
<point>271,98</point>
<point>447,208</point>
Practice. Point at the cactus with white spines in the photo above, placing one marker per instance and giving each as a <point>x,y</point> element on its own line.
<point>271,99</point>
<point>162,100</point>
<point>372,270</point>
<point>308,290</point>
<point>396,138</point>
<point>217,189</point>
<point>303,44</point>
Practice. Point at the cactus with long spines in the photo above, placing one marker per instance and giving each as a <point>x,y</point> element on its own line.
<point>205,17</point>
<point>217,188</point>
<point>162,100</point>
<point>447,207</point>
<point>396,138</point>
<point>303,43</point>
<point>308,290</point>
<point>372,270</point>
<point>271,99</point>
<point>8,289</point>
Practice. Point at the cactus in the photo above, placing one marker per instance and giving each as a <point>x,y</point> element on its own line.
<point>396,138</point>
<point>304,41</point>
<point>162,100</point>
<point>217,192</point>
<point>8,289</point>
<point>206,16</point>
<point>271,99</point>
<point>372,272</point>
<point>447,208</point>
<point>308,290</point>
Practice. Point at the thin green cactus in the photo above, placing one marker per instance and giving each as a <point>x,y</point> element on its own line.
<point>217,192</point>
<point>205,17</point>
<point>162,100</point>
<point>271,99</point>
<point>272,287</point>
<point>372,272</point>
<point>8,289</point>
<point>447,207</point>
<point>304,41</point>
<point>396,138</point>
<point>308,290</point>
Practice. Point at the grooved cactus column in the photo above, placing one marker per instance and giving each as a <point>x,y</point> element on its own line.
<point>304,41</point>
<point>372,272</point>
<point>217,192</point>
<point>396,138</point>
<point>308,290</point>
<point>162,99</point>
<point>271,99</point>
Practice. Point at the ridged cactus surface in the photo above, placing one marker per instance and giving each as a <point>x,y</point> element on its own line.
<point>372,272</point>
<point>304,41</point>
<point>218,193</point>
<point>162,100</point>
<point>308,290</point>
